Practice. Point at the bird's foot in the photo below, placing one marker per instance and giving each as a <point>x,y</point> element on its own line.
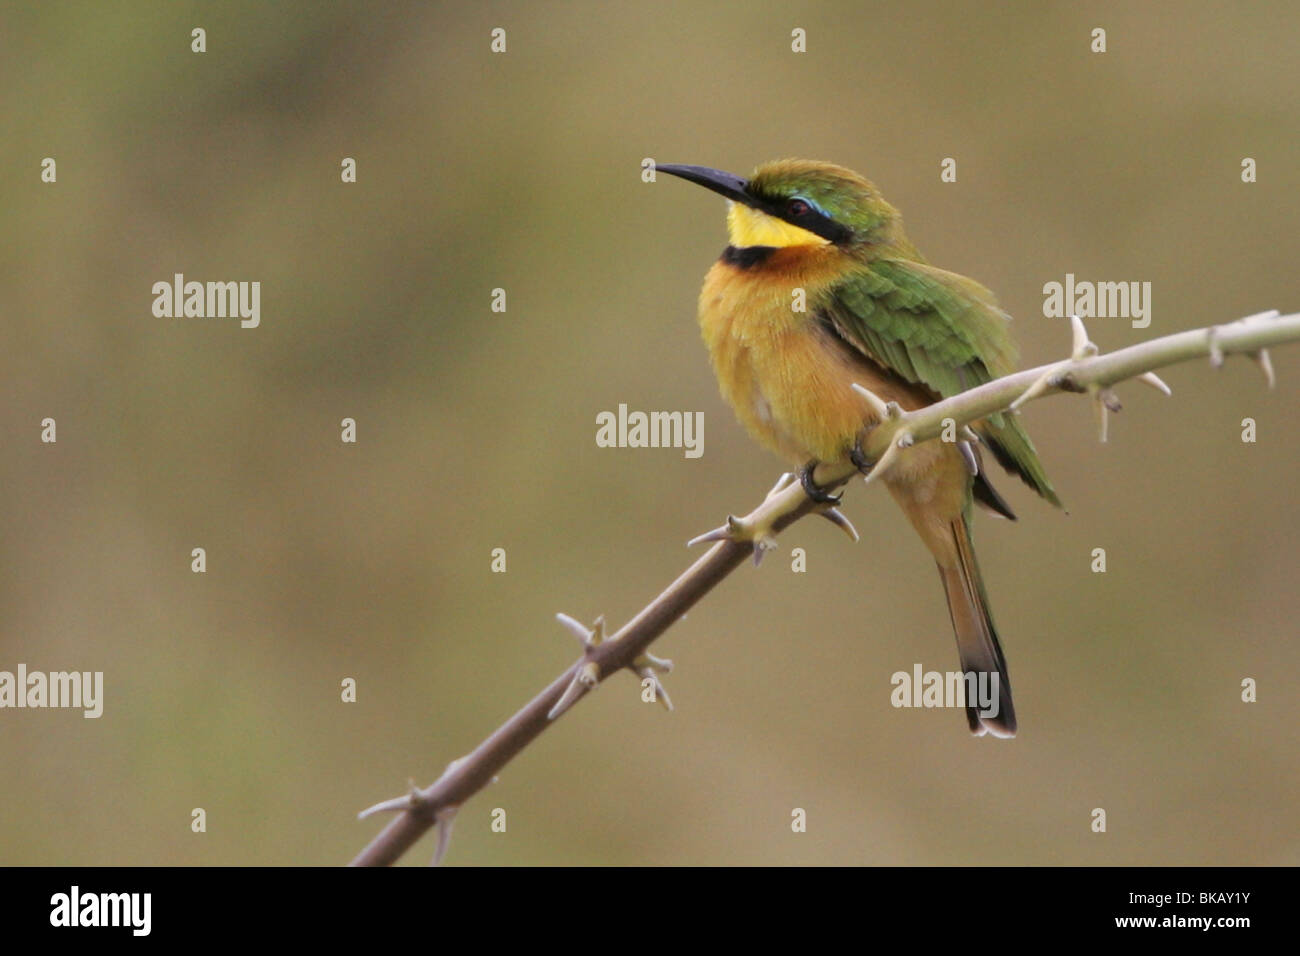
<point>813,490</point>
<point>859,458</point>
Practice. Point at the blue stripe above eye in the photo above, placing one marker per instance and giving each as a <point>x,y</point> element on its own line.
<point>814,205</point>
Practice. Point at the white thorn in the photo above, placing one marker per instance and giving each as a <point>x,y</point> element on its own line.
<point>880,409</point>
<point>1156,382</point>
<point>648,667</point>
<point>717,534</point>
<point>841,521</point>
<point>1040,385</point>
<point>445,819</point>
<point>1266,366</point>
<point>1079,337</point>
<point>404,802</point>
<point>1212,341</point>
<point>782,483</point>
<point>657,663</point>
<point>661,692</point>
<point>587,636</point>
<point>588,676</point>
<point>575,627</point>
<point>886,460</point>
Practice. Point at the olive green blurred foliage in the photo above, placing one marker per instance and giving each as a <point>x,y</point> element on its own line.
<point>477,431</point>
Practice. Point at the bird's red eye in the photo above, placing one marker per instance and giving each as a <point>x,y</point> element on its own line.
<point>797,207</point>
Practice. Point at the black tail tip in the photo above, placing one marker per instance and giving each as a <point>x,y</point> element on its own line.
<point>1002,725</point>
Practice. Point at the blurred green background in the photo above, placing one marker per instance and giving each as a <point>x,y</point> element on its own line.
<point>477,431</point>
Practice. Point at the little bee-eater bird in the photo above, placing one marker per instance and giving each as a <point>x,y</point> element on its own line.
<point>876,314</point>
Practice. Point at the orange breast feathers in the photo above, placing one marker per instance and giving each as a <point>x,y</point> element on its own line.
<point>787,378</point>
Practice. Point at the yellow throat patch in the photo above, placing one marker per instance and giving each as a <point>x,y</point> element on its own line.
<point>751,227</point>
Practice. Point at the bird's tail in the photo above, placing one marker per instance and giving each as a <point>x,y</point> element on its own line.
<point>977,641</point>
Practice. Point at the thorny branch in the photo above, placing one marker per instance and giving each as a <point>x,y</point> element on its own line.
<point>1086,371</point>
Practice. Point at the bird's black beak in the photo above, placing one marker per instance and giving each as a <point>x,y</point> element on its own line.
<point>725,184</point>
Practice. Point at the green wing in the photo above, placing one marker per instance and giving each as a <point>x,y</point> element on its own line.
<point>941,331</point>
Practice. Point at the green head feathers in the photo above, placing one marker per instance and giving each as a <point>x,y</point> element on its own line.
<point>835,193</point>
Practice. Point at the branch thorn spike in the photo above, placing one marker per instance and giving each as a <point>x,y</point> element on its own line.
<point>785,481</point>
<point>406,801</point>
<point>728,532</point>
<point>892,451</point>
<point>658,663</point>
<point>648,667</point>
<point>1081,347</point>
<point>1216,353</point>
<point>445,819</point>
<point>878,406</point>
<point>1265,365</point>
<point>587,636</point>
<point>737,529</point>
<point>587,677</point>
<point>1156,382</point>
<point>837,517</point>
<point>1041,384</point>
<point>1100,407</point>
